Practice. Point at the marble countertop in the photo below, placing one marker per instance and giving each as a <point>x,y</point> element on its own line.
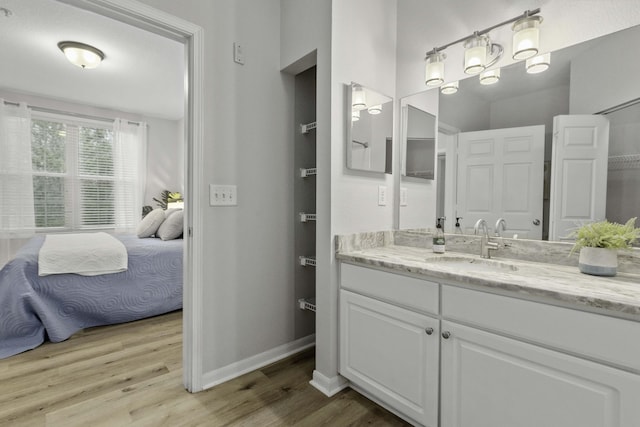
<point>617,296</point>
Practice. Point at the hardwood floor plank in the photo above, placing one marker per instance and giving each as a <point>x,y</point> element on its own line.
<point>131,375</point>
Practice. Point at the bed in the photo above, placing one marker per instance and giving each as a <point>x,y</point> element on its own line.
<point>35,308</point>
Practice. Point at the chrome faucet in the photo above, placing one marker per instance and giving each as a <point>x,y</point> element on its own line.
<point>485,244</point>
<point>500,222</point>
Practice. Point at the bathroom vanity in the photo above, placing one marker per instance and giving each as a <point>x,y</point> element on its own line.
<point>456,340</point>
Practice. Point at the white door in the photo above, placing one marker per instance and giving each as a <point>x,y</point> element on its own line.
<point>579,165</point>
<point>500,175</point>
<point>391,353</point>
<point>489,381</point>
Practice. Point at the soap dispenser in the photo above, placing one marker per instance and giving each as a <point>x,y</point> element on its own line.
<point>438,237</point>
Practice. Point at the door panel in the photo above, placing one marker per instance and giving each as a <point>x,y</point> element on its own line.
<point>500,175</point>
<point>489,380</point>
<point>386,351</point>
<point>579,173</point>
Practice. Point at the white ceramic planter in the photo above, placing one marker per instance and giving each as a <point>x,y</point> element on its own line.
<point>598,261</point>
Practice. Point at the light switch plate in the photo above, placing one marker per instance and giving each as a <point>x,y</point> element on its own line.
<point>404,196</point>
<point>382,195</point>
<point>223,195</point>
<point>238,53</point>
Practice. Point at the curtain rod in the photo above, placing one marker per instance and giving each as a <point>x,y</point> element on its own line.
<point>68,113</point>
<point>619,107</point>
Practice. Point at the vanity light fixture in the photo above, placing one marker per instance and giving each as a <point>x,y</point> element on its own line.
<point>481,53</point>
<point>359,101</point>
<point>80,54</point>
<point>355,115</point>
<point>434,69</point>
<point>539,63</point>
<point>449,88</point>
<point>375,109</point>
<point>490,77</point>
<point>526,37</point>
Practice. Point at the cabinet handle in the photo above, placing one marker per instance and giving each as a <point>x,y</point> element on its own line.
<point>429,331</point>
<point>446,335</point>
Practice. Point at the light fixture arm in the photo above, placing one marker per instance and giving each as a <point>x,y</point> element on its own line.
<point>526,14</point>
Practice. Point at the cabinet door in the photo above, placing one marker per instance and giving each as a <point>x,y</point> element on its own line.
<point>392,354</point>
<point>489,380</point>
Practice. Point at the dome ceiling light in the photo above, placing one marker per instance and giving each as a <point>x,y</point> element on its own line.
<point>81,54</point>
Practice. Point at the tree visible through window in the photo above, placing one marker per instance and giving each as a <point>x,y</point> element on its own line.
<point>73,175</point>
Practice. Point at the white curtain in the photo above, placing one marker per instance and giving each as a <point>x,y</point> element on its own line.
<point>130,172</point>
<point>17,217</point>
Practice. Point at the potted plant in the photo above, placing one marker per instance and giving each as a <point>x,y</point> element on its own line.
<point>599,243</point>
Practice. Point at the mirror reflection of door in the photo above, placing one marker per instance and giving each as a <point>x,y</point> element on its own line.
<point>579,175</point>
<point>500,175</point>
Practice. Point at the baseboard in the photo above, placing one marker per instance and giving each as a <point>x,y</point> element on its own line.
<point>234,370</point>
<point>328,386</point>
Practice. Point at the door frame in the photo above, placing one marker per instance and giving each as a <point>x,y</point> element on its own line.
<point>159,22</point>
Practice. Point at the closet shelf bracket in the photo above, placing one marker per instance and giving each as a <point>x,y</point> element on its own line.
<point>307,304</point>
<point>308,261</point>
<point>308,172</point>
<point>305,128</point>
<point>305,217</point>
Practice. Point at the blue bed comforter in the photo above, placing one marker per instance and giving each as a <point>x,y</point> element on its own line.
<point>34,308</point>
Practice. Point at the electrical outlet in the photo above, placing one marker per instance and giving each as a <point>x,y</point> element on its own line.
<point>404,196</point>
<point>382,195</point>
<point>223,195</point>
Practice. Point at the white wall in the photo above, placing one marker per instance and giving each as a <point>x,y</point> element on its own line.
<point>596,85</point>
<point>248,291</point>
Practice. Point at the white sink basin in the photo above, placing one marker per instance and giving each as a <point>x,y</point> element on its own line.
<point>473,264</point>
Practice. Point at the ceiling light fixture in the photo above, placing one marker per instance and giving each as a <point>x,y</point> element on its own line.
<point>434,69</point>
<point>359,101</point>
<point>526,36</point>
<point>539,63</point>
<point>449,88</point>
<point>375,109</point>
<point>355,115</point>
<point>490,77</point>
<point>81,55</point>
<point>481,53</point>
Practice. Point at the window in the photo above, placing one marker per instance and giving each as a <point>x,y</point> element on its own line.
<point>73,174</point>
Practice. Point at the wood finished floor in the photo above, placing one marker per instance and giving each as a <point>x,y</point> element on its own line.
<point>131,375</point>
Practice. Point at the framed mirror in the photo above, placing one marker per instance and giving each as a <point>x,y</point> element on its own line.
<point>574,85</point>
<point>369,118</point>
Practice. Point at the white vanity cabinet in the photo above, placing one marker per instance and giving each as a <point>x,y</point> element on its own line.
<point>459,357</point>
<point>388,351</point>
<point>490,379</point>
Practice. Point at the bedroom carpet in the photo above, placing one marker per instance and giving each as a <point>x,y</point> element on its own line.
<point>131,375</point>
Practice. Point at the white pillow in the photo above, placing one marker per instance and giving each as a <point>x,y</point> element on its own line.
<point>171,228</point>
<point>150,223</point>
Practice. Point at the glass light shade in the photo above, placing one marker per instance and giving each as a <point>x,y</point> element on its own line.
<point>449,88</point>
<point>355,115</point>
<point>434,70</point>
<point>526,37</point>
<point>490,77</point>
<point>375,109</point>
<point>475,55</point>
<point>81,55</point>
<point>359,99</point>
<point>538,64</point>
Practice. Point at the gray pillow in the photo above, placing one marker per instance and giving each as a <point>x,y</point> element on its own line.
<point>171,228</point>
<point>150,223</point>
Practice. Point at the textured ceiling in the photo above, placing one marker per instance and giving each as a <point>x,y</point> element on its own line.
<point>142,73</point>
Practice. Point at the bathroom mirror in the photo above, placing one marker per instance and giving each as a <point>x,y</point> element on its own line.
<point>369,142</point>
<point>418,143</point>
<point>573,85</point>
